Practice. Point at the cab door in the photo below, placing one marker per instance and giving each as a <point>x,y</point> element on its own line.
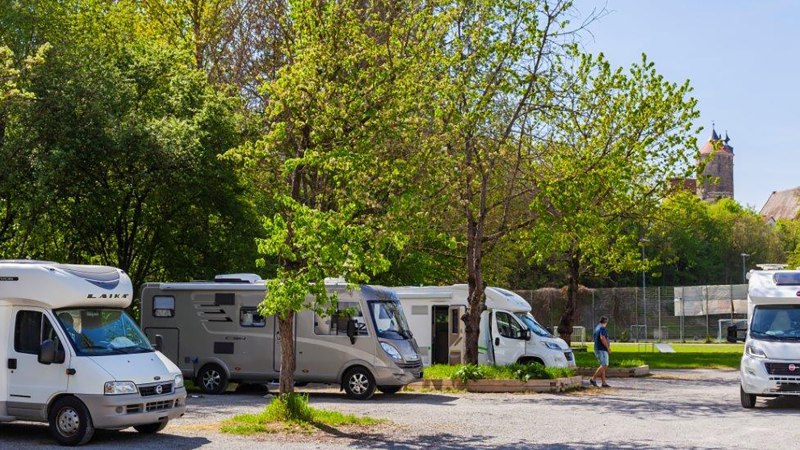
<point>508,337</point>
<point>32,384</point>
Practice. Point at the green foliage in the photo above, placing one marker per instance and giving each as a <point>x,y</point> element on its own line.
<point>536,371</point>
<point>469,372</point>
<point>291,412</point>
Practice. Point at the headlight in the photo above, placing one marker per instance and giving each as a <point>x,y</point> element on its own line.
<point>178,381</point>
<point>552,345</point>
<point>754,351</point>
<point>391,351</point>
<point>119,387</point>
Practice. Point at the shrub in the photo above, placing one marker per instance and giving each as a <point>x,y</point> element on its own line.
<point>469,372</point>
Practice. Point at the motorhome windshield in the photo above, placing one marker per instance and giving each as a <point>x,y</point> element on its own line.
<point>776,322</point>
<point>533,325</point>
<point>389,320</point>
<point>98,332</point>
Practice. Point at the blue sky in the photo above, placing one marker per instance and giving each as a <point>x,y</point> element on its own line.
<point>743,60</point>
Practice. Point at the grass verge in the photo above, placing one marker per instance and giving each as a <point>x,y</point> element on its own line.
<point>522,372</point>
<point>686,360</point>
<point>291,413</point>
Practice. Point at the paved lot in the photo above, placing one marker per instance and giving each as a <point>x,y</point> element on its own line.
<point>675,409</point>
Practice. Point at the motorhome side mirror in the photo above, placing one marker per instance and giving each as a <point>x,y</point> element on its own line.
<point>526,334</point>
<point>732,334</point>
<point>47,352</point>
<point>159,342</point>
<point>351,330</point>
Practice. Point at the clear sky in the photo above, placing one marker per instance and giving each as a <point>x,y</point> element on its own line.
<point>743,60</point>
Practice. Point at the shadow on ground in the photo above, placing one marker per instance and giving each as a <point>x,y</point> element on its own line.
<point>28,435</point>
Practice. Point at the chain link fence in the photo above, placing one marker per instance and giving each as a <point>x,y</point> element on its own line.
<point>683,313</point>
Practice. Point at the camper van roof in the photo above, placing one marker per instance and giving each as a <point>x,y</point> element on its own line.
<point>238,278</point>
<point>57,285</point>
<point>496,298</point>
<point>774,286</point>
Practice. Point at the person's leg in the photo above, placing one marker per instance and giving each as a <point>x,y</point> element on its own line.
<point>604,364</point>
<point>597,374</point>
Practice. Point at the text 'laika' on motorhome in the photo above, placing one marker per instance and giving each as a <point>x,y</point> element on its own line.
<point>74,357</point>
<point>215,334</point>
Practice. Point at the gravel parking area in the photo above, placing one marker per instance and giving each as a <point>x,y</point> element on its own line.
<point>672,409</point>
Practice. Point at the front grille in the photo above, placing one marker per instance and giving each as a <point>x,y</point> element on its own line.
<point>410,365</point>
<point>568,355</point>
<point>133,409</point>
<point>789,387</point>
<point>783,368</point>
<point>152,389</point>
<point>158,406</point>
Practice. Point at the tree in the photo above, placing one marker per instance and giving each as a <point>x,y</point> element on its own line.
<point>615,143</point>
<point>338,155</point>
<point>500,61</point>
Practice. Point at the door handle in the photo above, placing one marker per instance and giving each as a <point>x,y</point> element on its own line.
<point>496,341</point>
<point>12,363</point>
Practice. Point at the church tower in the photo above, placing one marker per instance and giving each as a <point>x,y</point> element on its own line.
<point>717,179</point>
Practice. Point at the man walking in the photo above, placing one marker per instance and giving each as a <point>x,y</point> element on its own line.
<point>601,350</point>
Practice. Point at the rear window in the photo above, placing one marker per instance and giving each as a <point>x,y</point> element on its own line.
<point>787,278</point>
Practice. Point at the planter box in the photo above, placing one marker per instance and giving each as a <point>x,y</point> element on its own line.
<point>500,386</point>
<point>617,372</point>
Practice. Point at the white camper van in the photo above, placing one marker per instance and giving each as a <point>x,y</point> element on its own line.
<point>74,358</point>
<point>771,361</point>
<point>508,334</point>
<point>214,332</point>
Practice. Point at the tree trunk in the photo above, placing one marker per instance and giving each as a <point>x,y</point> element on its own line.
<point>288,361</point>
<point>477,293</point>
<point>568,318</point>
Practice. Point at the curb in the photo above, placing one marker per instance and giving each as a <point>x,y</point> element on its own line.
<point>500,386</point>
<point>617,372</point>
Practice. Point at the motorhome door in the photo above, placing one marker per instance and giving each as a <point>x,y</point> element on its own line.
<point>30,383</point>
<point>507,337</point>
<point>440,329</point>
<point>456,335</point>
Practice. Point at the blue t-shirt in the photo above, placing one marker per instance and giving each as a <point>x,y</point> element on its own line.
<point>598,344</point>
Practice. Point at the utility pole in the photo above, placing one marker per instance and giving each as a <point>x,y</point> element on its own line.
<point>744,268</point>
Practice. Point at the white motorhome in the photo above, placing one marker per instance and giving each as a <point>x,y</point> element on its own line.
<point>74,358</point>
<point>508,334</point>
<point>214,332</point>
<point>771,362</point>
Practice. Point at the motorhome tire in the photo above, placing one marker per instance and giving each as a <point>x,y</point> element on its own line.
<point>748,400</point>
<point>389,390</point>
<point>359,384</point>
<point>212,379</point>
<point>70,422</point>
<point>151,428</point>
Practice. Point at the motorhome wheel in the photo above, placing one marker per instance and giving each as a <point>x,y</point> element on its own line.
<point>748,400</point>
<point>213,379</point>
<point>151,428</point>
<point>70,422</point>
<point>359,383</point>
<point>390,389</point>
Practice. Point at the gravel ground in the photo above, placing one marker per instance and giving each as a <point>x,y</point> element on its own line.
<point>672,409</point>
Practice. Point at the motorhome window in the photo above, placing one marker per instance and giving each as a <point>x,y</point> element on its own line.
<point>389,320</point>
<point>533,325</point>
<point>250,317</point>
<point>454,321</point>
<point>31,329</point>
<point>787,278</point>
<point>776,322</point>
<point>98,332</point>
<point>507,326</point>
<point>163,306</point>
<point>336,324</point>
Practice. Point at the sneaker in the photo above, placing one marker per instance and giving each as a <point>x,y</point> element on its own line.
<point>606,385</point>
<point>592,382</point>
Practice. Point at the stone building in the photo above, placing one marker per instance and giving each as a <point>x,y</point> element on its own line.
<point>716,180</point>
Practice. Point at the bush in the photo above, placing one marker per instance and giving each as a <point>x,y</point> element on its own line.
<point>469,372</point>
<point>536,371</point>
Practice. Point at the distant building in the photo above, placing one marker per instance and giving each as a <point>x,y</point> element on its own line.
<point>716,181</point>
<point>782,205</point>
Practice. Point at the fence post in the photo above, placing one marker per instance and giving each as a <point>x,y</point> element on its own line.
<point>707,324</point>
<point>660,331</point>
<point>732,308</point>
<point>683,311</point>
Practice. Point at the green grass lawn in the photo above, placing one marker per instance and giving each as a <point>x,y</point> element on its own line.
<point>687,356</point>
<point>447,372</point>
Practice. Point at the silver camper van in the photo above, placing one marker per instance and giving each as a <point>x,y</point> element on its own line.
<point>215,334</point>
